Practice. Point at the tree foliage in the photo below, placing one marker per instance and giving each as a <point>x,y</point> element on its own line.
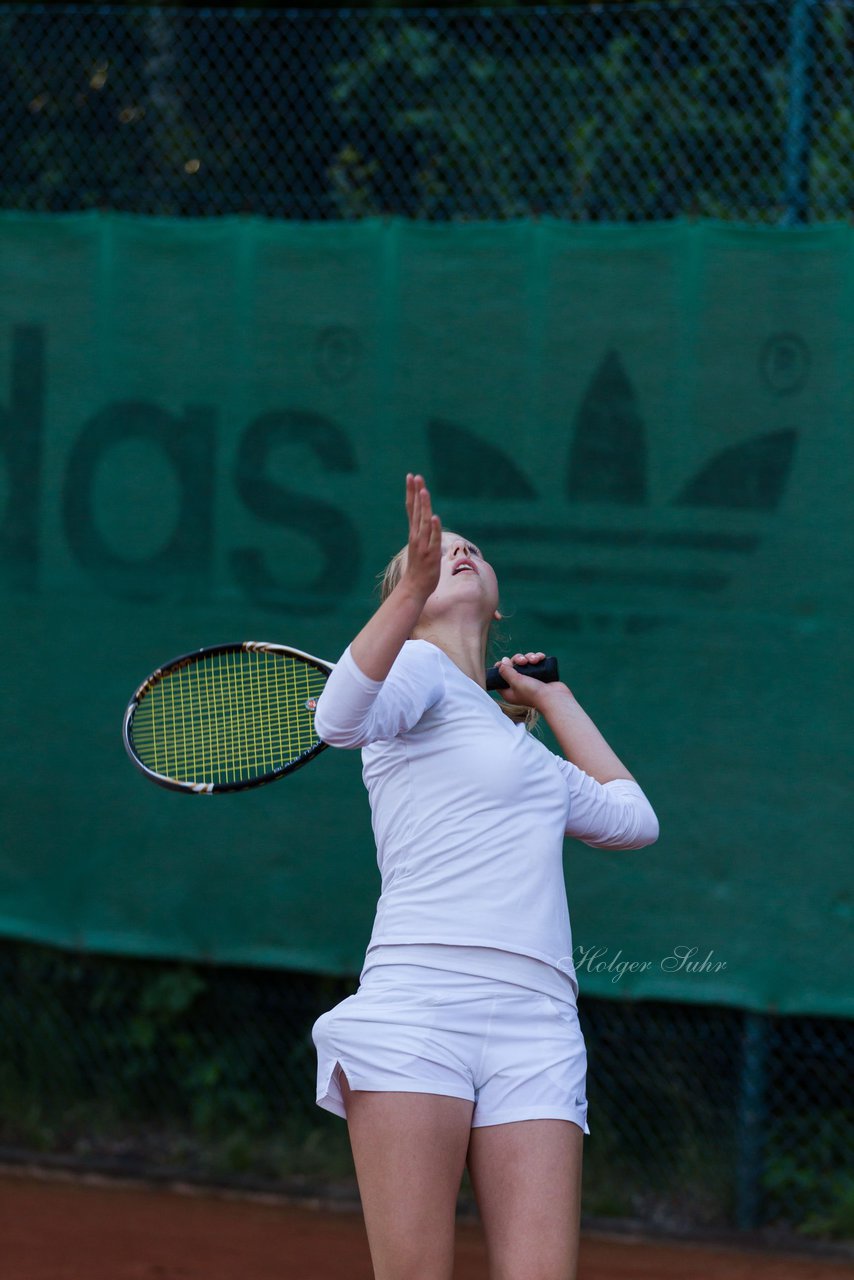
<point>621,112</point>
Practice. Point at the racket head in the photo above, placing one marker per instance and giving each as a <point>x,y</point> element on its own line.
<point>226,717</point>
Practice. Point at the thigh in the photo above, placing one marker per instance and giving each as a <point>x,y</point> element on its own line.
<point>527,1180</point>
<point>409,1150</point>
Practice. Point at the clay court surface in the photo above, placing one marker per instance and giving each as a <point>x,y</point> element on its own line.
<point>53,1229</point>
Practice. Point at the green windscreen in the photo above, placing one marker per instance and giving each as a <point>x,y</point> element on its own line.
<point>204,431</point>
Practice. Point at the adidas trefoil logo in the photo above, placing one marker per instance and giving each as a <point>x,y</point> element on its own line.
<point>616,563</point>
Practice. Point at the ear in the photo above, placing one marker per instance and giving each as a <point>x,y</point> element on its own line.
<point>498,616</point>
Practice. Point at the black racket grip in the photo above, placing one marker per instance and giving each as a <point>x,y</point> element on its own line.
<point>546,671</point>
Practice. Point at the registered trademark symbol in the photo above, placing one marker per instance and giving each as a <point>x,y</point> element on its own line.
<point>784,363</point>
<point>337,352</point>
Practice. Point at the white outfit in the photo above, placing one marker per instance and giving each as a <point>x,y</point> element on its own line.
<point>516,1054</point>
<point>469,812</point>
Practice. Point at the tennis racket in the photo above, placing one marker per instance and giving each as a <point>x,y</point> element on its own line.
<point>234,716</point>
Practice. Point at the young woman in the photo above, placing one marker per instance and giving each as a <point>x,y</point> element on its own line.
<point>462,1044</point>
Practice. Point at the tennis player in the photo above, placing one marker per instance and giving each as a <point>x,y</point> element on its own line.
<point>462,1043</point>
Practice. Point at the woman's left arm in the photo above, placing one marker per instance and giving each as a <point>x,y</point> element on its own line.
<point>579,739</point>
<point>607,807</point>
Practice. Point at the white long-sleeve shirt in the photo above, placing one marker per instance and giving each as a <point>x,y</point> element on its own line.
<point>469,809</point>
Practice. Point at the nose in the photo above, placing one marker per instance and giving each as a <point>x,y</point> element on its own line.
<point>460,549</point>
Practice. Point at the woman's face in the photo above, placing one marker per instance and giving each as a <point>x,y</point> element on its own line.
<point>465,577</point>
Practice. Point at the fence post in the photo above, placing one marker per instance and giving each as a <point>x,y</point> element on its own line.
<point>799,120</point>
<point>751,1121</point>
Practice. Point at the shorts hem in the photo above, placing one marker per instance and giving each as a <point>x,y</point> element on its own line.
<point>531,1113</point>
<point>331,1104</point>
<point>330,1098</point>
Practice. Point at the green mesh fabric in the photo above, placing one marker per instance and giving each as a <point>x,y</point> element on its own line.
<point>205,427</point>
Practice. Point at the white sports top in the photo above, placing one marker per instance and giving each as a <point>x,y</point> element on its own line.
<point>469,813</point>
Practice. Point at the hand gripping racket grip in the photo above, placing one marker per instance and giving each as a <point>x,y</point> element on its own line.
<point>546,671</point>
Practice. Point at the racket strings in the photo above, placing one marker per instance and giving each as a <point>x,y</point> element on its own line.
<point>228,717</point>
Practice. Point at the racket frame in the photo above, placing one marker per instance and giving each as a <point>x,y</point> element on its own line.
<point>185,660</point>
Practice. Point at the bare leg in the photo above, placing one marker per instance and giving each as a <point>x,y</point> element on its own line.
<point>527,1180</point>
<point>409,1150</point>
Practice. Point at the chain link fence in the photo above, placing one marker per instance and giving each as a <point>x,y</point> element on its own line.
<point>629,112</point>
<point>701,1117</point>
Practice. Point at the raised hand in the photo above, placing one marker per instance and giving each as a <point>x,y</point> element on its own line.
<point>424,549</point>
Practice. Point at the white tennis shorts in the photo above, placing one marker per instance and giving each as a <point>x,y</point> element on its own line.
<point>516,1053</point>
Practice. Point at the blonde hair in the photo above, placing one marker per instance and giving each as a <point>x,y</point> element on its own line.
<point>388,580</point>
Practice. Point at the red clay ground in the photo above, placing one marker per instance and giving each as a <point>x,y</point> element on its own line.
<point>61,1230</point>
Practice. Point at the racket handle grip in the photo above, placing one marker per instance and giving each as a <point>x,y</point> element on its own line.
<point>546,671</point>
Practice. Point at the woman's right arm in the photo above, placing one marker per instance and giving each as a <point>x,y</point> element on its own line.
<point>350,712</point>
